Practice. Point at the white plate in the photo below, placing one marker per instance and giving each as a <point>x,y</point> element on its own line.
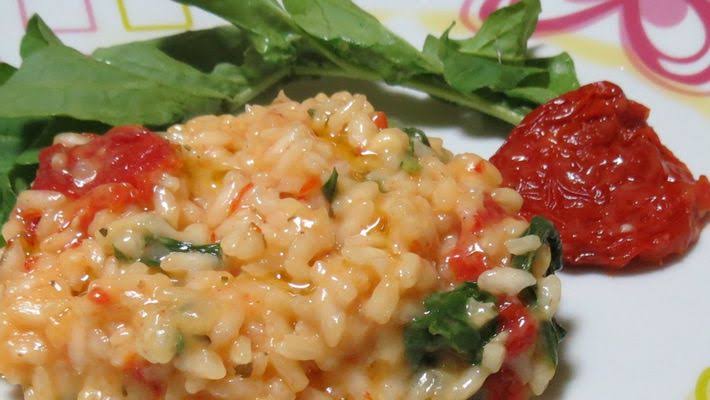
<point>641,335</point>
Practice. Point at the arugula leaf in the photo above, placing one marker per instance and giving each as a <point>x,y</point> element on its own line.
<point>83,88</point>
<point>560,78</point>
<point>331,186</point>
<point>271,31</point>
<point>547,233</point>
<point>6,71</point>
<point>37,36</point>
<point>551,334</point>
<point>445,328</point>
<point>504,34</point>
<point>147,61</point>
<point>467,72</point>
<point>358,37</point>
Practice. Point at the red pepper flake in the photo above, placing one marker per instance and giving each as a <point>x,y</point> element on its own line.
<point>311,184</point>
<point>99,296</point>
<point>479,166</point>
<point>29,264</point>
<point>240,196</point>
<point>380,120</point>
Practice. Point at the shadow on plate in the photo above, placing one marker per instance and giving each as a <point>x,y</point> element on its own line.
<point>410,107</point>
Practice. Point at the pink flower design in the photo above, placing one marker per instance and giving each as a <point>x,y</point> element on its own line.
<point>632,14</point>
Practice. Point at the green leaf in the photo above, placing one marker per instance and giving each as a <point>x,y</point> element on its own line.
<point>551,334</point>
<point>359,38</point>
<point>559,79</point>
<point>147,61</point>
<point>504,34</point>
<point>467,72</point>
<point>271,31</point>
<point>547,233</point>
<point>330,186</point>
<point>82,88</point>
<point>445,328</point>
<point>37,36</point>
<point>6,71</point>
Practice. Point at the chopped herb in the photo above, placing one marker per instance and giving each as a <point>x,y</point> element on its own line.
<point>551,334</point>
<point>180,343</point>
<point>330,187</point>
<point>445,328</point>
<point>157,248</point>
<point>311,112</point>
<point>528,296</point>
<point>120,256</point>
<point>410,164</point>
<point>103,232</point>
<point>418,134</point>
<point>547,233</point>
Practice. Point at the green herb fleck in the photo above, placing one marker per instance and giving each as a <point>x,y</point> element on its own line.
<point>180,343</point>
<point>312,112</point>
<point>330,187</point>
<point>417,134</point>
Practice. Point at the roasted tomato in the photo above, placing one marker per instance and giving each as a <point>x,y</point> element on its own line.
<point>129,155</point>
<point>589,162</point>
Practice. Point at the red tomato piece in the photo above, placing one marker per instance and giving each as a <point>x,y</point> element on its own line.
<point>130,155</point>
<point>30,221</point>
<point>589,162</point>
<point>99,296</point>
<point>468,261</point>
<point>380,120</point>
<point>520,325</point>
<point>505,385</point>
<point>467,265</point>
<point>114,197</point>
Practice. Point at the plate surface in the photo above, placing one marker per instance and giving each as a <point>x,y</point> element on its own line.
<point>634,335</point>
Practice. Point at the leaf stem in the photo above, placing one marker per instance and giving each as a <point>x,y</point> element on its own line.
<point>467,100</point>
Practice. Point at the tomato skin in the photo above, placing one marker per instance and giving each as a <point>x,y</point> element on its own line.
<point>505,385</point>
<point>589,162</point>
<point>130,155</point>
<point>380,120</point>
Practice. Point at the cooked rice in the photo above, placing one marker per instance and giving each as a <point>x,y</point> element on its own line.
<point>312,297</point>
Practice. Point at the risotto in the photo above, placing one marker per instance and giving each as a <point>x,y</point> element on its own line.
<point>295,251</point>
